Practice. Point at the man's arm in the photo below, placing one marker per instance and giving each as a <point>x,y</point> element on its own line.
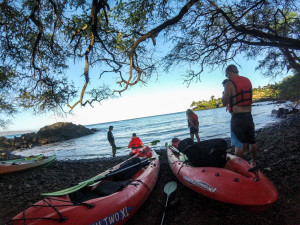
<point>110,137</point>
<point>226,93</point>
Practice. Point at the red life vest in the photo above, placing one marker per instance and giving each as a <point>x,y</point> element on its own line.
<point>194,119</point>
<point>243,89</point>
<point>135,142</point>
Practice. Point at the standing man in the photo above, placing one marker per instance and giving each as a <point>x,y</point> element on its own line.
<point>111,140</point>
<point>238,96</point>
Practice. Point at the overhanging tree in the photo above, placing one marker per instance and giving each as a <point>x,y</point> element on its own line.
<point>40,38</point>
<point>216,33</point>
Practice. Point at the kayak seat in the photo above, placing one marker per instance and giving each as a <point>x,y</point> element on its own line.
<point>107,187</point>
<point>83,195</point>
<point>110,187</point>
<point>208,153</point>
<point>103,189</point>
<point>127,174</point>
<point>185,144</point>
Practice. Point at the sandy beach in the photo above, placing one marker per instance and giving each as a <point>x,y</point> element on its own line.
<point>278,157</point>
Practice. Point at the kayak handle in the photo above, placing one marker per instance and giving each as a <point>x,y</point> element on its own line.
<point>255,170</point>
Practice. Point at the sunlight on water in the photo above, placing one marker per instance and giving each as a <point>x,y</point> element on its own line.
<point>214,123</point>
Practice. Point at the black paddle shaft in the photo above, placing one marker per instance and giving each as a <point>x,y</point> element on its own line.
<point>143,163</point>
<point>163,217</point>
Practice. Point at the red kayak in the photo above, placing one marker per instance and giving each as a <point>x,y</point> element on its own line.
<point>232,184</point>
<point>85,206</point>
<point>142,151</point>
<point>134,151</point>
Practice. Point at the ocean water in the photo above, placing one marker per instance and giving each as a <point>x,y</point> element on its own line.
<point>214,123</point>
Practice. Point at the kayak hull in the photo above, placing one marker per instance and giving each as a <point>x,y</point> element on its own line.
<point>116,208</point>
<point>232,184</point>
<point>20,165</point>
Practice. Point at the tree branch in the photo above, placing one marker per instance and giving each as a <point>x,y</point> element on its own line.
<point>288,42</point>
<point>151,34</point>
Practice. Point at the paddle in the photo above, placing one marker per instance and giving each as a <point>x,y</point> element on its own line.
<point>183,157</point>
<point>152,143</point>
<point>94,180</point>
<point>169,189</point>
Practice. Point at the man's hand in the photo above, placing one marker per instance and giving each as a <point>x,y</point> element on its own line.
<point>224,82</point>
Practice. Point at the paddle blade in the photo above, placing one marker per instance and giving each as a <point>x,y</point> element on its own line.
<point>170,187</point>
<point>74,188</point>
<point>183,158</point>
<point>69,190</point>
<point>166,145</point>
<point>154,142</point>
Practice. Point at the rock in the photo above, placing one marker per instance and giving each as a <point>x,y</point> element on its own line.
<point>267,169</point>
<point>17,144</point>
<point>94,130</point>
<point>280,113</point>
<point>62,131</point>
<point>30,137</point>
<point>48,134</point>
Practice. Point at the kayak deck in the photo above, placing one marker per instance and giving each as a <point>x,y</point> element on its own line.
<point>232,184</point>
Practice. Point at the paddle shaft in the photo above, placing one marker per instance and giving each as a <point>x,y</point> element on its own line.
<point>176,150</point>
<point>91,181</point>
<point>150,143</point>
<point>143,163</point>
<point>163,217</point>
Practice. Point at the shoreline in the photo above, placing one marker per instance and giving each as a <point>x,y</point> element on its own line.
<point>268,121</point>
<point>278,156</point>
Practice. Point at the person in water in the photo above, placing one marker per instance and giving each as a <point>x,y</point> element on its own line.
<point>111,140</point>
<point>238,96</point>
<point>193,124</point>
<point>135,142</point>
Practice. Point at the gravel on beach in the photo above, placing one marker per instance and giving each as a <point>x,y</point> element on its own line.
<point>278,157</point>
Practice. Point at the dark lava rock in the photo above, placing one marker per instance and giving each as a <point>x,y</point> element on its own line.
<point>48,134</point>
<point>62,131</point>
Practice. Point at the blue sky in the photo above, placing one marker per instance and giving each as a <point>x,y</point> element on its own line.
<point>162,95</point>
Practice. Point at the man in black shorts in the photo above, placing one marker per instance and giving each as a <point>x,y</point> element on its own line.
<point>238,96</point>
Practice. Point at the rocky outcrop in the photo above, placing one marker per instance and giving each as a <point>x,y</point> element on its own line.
<point>61,131</point>
<point>46,135</point>
<point>282,112</point>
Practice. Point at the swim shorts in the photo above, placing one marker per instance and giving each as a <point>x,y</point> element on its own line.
<point>242,126</point>
<point>113,146</point>
<point>194,130</point>
<point>235,142</point>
